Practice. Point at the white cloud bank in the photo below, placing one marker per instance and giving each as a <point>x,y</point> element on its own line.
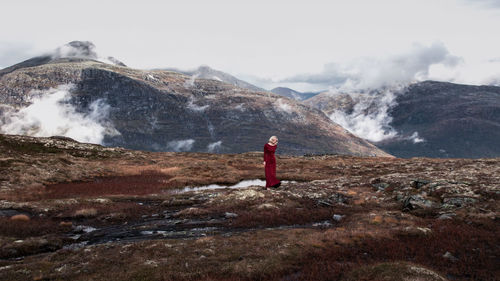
<point>214,147</point>
<point>51,113</point>
<point>180,145</point>
<point>369,118</point>
<point>373,73</point>
<point>83,50</point>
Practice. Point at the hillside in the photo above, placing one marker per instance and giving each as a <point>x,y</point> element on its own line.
<point>161,111</point>
<point>290,93</point>
<point>429,119</point>
<point>206,72</point>
<point>73,211</point>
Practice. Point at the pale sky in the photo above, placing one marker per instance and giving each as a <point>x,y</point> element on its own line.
<point>308,45</point>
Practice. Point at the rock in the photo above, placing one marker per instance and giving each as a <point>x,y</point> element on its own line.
<point>417,202</point>
<point>446,216</point>
<point>413,230</point>
<point>337,217</point>
<point>229,215</point>
<point>322,224</point>
<point>102,200</point>
<point>248,194</point>
<point>83,229</point>
<point>380,186</point>
<point>339,198</point>
<point>419,183</point>
<point>458,201</point>
<point>267,206</point>
<point>450,257</point>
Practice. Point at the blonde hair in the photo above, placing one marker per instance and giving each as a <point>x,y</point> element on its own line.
<point>273,137</point>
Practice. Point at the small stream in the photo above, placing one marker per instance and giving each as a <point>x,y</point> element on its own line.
<point>241,184</point>
<point>170,229</point>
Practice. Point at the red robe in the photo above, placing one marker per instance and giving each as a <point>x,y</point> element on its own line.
<point>270,160</point>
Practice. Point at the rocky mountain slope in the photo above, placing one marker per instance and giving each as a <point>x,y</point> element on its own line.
<point>290,93</point>
<point>73,211</point>
<point>431,119</point>
<point>206,72</point>
<point>161,110</point>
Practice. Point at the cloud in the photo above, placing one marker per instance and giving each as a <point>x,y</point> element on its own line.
<point>480,72</point>
<point>83,50</point>
<point>283,106</point>
<point>484,3</point>
<point>366,73</point>
<point>180,145</point>
<point>369,118</point>
<point>190,82</point>
<point>415,138</point>
<point>214,147</point>
<point>51,113</point>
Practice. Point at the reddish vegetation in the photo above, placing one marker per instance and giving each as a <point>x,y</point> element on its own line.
<point>474,247</point>
<point>304,211</point>
<point>34,227</point>
<point>147,182</point>
<point>388,212</point>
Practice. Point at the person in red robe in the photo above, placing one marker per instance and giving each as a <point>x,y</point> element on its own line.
<point>270,162</point>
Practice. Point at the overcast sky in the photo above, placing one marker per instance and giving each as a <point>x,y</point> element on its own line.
<point>308,45</point>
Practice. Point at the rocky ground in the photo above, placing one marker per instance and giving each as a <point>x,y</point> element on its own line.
<point>72,211</point>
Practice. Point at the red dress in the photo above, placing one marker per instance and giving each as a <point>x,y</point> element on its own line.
<point>270,160</point>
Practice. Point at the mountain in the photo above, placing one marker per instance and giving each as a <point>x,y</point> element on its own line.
<point>73,51</point>
<point>158,110</point>
<point>290,93</point>
<point>205,72</point>
<point>431,119</point>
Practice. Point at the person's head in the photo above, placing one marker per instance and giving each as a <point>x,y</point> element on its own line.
<point>273,140</point>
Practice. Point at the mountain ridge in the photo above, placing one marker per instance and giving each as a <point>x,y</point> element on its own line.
<point>428,119</point>
<point>168,111</point>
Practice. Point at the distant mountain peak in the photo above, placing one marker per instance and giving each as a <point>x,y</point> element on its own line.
<point>290,93</point>
<point>74,50</point>
<point>82,50</point>
<point>206,72</point>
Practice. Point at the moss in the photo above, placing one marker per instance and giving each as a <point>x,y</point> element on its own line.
<point>27,147</point>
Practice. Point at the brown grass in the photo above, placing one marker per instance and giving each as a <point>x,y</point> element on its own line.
<point>475,248</point>
<point>34,227</point>
<point>148,182</point>
<point>86,213</point>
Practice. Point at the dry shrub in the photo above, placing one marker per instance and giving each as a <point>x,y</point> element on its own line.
<point>33,227</point>
<point>95,213</point>
<point>20,217</point>
<point>86,213</point>
<point>475,248</point>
